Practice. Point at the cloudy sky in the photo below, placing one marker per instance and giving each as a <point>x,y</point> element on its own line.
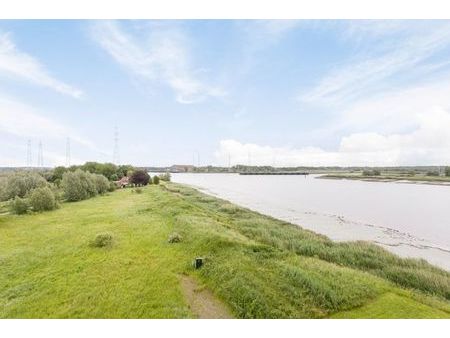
<point>214,92</point>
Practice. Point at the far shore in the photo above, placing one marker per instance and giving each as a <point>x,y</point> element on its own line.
<point>383,178</point>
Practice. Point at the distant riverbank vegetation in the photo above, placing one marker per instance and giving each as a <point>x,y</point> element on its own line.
<point>435,175</point>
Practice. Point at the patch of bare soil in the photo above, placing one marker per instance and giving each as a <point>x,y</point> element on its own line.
<point>202,301</point>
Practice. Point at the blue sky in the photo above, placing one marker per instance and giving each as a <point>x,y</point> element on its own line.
<point>261,92</point>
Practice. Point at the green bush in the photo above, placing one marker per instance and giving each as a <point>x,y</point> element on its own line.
<point>175,238</point>
<point>165,177</point>
<point>102,240</point>
<point>101,183</point>
<point>19,205</point>
<point>78,185</point>
<point>112,186</point>
<point>42,199</point>
<point>137,191</point>
<point>20,183</point>
<point>155,179</point>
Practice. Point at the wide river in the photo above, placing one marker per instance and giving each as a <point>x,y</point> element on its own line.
<point>412,220</point>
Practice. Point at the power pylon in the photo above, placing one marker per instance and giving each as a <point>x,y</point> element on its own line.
<point>29,159</point>
<point>40,155</point>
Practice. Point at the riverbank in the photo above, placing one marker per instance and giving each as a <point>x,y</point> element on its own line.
<point>255,266</point>
<point>439,180</point>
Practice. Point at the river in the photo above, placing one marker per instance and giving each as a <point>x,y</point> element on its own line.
<point>411,220</point>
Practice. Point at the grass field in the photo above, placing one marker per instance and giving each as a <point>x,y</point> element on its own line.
<point>258,267</point>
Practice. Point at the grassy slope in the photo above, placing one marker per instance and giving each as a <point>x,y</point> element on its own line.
<point>259,266</point>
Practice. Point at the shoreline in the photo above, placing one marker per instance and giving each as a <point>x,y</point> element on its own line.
<point>386,179</point>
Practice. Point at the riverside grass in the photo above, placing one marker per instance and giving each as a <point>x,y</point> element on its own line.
<point>258,266</point>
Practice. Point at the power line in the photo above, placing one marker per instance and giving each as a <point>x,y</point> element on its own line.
<point>116,156</point>
<point>68,152</point>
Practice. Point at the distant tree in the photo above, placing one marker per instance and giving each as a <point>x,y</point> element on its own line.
<point>20,183</point>
<point>367,173</point>
<point>57,173</point>
<point>432,173</point>
<point>376,172</point>
<point>78,185</point>
<point>139,177</point>
<point>447,171</point>
<point>165,177</point>
<point>123,170</point>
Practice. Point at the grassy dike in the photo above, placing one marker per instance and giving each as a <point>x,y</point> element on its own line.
<point>259,267</point>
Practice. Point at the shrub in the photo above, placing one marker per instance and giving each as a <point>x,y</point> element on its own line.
<point>42,199</point>
<point>447,171</point>
<point>432,173</point>
<point>175,238</point>
<point>165,177</point>
<point>78,185</point>
<point>139,177</point>
<point>20,183</point>
<point>102,240</point>
<point>19,205</point>
<point>155,179</point>
<point>374,172</point>
<point>112,186</point>
<point>101,183</point>
<point>137,191</point>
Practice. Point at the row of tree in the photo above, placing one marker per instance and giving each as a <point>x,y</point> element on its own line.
<point>111,171</point>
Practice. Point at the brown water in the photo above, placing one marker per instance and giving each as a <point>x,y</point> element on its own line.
<point>412,220</point>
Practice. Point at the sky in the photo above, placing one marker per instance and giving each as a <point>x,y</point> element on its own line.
<point>226,92</point>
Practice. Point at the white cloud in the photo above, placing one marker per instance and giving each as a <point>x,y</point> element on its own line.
<point>428,144</point>
<point>18,64</point>
<point>162,55</point>
<point>404,51</point>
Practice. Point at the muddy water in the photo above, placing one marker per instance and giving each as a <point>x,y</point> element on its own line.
<point>412,220</point>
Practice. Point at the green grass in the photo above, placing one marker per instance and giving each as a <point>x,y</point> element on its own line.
<point>391,305</point>
<point>260,267</point>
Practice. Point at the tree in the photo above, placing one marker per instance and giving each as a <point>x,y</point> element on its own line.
<point>78,185</point>
<point>139,177</point>
<point>447,171</point>
<point>20,183</point>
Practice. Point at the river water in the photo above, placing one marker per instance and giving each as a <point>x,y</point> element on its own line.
<point>411,220</point>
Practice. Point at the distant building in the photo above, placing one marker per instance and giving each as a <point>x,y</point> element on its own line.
<point>179,168</point>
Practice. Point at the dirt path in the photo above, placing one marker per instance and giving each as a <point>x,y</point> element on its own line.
<point>202,302</point>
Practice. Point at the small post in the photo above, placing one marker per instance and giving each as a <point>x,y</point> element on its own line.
<point>198,262</point>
